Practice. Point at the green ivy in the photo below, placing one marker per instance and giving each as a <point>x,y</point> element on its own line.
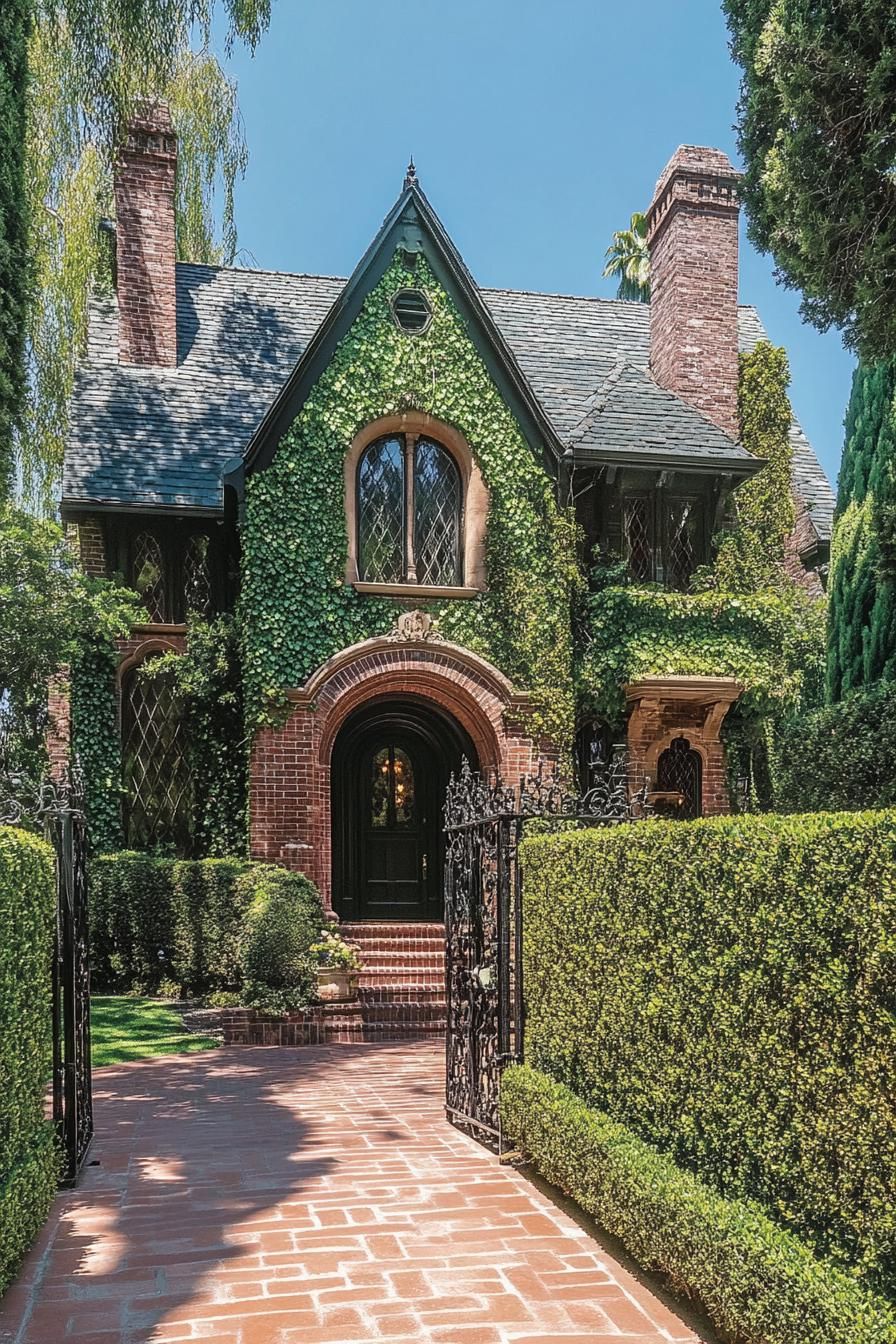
<point>207,683</point>
<point>750,557</point>
<point>746,617</point>
<point>298,610</point>
<point>773,644</point>
<point>96,742</point>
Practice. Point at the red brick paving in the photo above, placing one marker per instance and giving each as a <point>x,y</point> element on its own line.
<point>269,1196</point>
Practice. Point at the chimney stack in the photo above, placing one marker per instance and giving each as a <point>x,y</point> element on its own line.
<point>145,246</point>
<point>692,235</point>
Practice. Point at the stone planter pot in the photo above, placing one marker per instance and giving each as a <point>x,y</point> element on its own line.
<point>336,984</point>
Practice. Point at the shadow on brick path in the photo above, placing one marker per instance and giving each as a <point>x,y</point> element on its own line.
<point>270,1196</point>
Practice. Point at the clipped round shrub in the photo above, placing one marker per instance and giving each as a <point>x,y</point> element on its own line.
<point>284,919</point>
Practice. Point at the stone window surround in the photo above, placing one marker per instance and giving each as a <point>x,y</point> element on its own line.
<point>474,511</point>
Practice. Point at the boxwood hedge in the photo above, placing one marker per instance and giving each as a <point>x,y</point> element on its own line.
<point>758,1283</point>
<point>842,756</point>
<point>28,1162</point>
<point>184,920</point>
<point>726,990</point>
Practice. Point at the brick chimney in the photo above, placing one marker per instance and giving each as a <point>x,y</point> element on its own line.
<point>145,249</point>
<point>692,234</point>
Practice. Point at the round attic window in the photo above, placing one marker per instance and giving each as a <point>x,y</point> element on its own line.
<point>412,311</point>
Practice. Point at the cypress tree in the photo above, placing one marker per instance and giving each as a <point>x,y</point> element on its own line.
<point>862,614</point>
<point>15,23</point>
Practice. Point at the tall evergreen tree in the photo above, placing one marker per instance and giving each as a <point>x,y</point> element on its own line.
<point>862,615</point>
<point>15,24</point>
<point>816,128</point>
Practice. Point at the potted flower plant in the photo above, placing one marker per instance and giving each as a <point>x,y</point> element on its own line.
<point>338,964</point>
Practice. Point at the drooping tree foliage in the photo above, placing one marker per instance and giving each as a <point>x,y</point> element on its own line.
<point>15,24</point>
<point>50,613</point>
<point>817,127</point>
<point>862,619</point>
<point>90,61</point>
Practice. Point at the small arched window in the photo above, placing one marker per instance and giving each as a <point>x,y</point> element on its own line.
<point>680,771</point>
<point>410,510</point>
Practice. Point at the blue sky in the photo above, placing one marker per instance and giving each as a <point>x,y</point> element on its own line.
<point>537,126</point>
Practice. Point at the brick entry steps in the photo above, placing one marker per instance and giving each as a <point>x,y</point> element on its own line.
<point>401,995</point>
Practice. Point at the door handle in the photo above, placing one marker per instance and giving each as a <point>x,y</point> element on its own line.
<point>424,867</point>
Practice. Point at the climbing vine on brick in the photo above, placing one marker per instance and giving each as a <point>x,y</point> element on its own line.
<point>96,742</point>
<point>299,610</point>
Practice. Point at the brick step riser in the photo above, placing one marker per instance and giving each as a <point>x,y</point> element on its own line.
<point>396,930</point>
<point>390,961</point>
<point>422,994</point>
<point>432,946</point>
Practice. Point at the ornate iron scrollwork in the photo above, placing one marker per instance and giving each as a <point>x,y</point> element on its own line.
<point>484,821</point>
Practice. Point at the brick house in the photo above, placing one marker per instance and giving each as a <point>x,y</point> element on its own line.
<point>348,455</point>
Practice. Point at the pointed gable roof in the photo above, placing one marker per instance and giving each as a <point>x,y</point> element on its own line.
<point>413,226</point>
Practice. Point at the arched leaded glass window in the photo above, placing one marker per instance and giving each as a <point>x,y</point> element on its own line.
<point>155,773</point>
<point>680,771</point>
<point>381,512</point>
<point>437,505</point>
<point>410,511</point>
<point>148,575</point>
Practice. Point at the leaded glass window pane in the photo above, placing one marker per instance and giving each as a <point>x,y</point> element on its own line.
<point>392,788</point>
<point>381,512</point>
<point>680,771</point>
<point>197,578</point>
<point>148,571</point>
<point>437,501</point>
<point>155,773</point>
<point>683,524</point>
<point>638,535</point>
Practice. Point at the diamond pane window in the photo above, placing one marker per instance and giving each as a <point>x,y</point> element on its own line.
<point>197,577</point>
<point>148,571</point>
<point>437,503</point>
<point>680,771</point>
<point>638,536</point>
<point>155,774</point>
<point>381,512</point>
<point>683,525</point>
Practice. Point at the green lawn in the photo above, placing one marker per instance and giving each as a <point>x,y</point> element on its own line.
<point>126,1028</point>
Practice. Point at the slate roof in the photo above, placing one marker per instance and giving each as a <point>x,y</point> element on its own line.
<point>160,438</point>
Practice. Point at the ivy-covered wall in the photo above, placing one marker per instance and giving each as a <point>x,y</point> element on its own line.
<point>297,608</point>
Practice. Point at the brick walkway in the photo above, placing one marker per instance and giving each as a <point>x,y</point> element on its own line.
<point>275,1196</point>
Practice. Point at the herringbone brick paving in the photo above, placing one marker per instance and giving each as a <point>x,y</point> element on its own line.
<point>270,1196</point>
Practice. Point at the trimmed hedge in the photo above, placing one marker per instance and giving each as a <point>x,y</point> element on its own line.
<point>726,990</point>
<point>279,973</point>
<point>756,1281</point>
<point>155,920</point>
<point>842,757</point>
<point>28,1159</point>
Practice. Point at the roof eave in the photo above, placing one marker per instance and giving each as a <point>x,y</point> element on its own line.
<point>696,462</point>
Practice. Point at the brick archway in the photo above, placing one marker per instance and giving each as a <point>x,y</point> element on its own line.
<point>289,794</point>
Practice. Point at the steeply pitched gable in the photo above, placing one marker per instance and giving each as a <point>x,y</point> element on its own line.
<point>413,228</point>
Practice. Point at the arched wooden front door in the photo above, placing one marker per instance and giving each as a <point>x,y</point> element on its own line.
<point>391,764</point>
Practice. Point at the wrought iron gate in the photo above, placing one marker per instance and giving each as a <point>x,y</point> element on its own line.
<point>57,806</point>
<point>484,821</point>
